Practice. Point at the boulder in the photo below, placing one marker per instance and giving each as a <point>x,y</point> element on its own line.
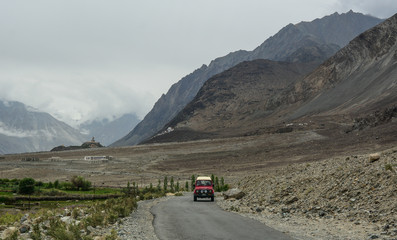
<point>24,218</point>
<point>233,193</point>
<point>24,228</point>
<point>8,232</point>
<point>67,219</point>
<point>374,157</point>
<point>291,200</point>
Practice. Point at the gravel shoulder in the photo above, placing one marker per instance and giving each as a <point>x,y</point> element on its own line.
<point>351,197</point>
<point>302,228</point>
<point>139,225</point>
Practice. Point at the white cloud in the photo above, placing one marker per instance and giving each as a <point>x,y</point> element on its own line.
<point>81,60</point>
<point>15,132</point>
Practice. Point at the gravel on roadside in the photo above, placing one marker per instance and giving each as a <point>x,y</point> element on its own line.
<point>139,225</point>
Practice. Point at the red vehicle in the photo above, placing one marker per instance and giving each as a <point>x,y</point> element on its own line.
<point>204,188</point>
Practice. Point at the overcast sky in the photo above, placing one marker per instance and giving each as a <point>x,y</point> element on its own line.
<point>85,59</point>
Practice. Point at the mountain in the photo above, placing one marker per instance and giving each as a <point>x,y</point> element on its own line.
<point>358,83</point>
<point>108,131</point>
<point>358,79</point>
<point>25,129</point>
<point>338,29</point>
<point>231,103</point>
<point>289,42</point>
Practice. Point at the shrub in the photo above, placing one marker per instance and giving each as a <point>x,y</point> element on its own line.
<point>57,230</point>
<point>193,181</point>
<point>389,167</point>
<point>56,184</point>
<point>67,186</point>
<point>80,183</point>
<point>13,236</point>
<point>36,233</point>
<point>8,218</point>
<point>26,186</point>
<point>95,219</point>
<point>112,236</point>
<point>39,184</point>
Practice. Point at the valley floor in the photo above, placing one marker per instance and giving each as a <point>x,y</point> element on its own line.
<point>314,182</point>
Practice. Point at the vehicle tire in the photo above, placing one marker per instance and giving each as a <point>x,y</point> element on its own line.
<point>195,198</point>
<point>212,199</point>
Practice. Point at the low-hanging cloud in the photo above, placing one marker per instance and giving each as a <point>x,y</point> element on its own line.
<point>94,59</point>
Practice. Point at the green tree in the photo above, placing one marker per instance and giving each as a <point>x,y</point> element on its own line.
<point>134,189</point>
<point>222,184</point>
<point>165,184</point>
<point>217,184</point>
<point>26,186</point>
<point>56,184</point>
<point>128,189</point>
<point>177,187</point>
<point>172,184</point>
<point>212,177</point>
<point>193,181</point>
<point>80,183</point>
<point>159,186</point>
<point>186,186</point>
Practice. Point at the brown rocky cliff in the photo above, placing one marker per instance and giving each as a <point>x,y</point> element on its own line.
<point>360,73</point>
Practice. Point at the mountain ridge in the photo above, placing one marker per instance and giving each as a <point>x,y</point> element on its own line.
<point>357,81</point>
<point>182,92</point>
<point>25,129</point>
<point>368,61</point>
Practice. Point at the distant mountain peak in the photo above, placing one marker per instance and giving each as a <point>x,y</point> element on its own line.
<point>26,129</point>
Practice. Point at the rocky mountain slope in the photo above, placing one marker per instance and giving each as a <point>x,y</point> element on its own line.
<point>231,103</point>
<point>284,46</point>
<point>24,129</point>
<point>108,131</point>
<point>359,79</point>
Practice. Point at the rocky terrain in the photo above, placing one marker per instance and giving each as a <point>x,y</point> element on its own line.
<point>230,103</point>
<point>255,96</point>
<point>350,197</point>
<point>311,184</point>
<point>302,42</point>
<point>357,79</point>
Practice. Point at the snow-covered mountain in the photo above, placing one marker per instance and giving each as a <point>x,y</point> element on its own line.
<point>25,129</point>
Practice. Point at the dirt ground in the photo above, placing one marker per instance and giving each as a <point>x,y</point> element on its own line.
<point>231,158</point>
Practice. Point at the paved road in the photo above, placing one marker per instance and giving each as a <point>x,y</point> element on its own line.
<point>182,218</point>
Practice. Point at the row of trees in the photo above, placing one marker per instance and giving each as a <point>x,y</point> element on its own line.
<point>27,185</point>
<point>219,185</point>
<point>169,185</point>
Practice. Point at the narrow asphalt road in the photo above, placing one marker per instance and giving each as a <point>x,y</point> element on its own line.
<point>182,218</point>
